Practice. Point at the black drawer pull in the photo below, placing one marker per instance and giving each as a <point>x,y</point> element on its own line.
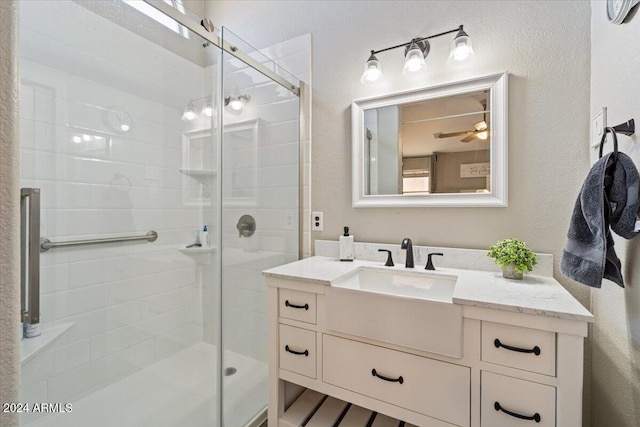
<point>391,380</point>
<point>288,304</point>
<point>535,350</point>
<point>299,353</point>
<point>535,417</point>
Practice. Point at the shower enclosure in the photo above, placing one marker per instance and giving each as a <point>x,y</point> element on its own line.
<point>139,127</point>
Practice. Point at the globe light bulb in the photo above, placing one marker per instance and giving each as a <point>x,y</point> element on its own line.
<point>414,59</point>
<point>189,112</point>
<point>461,48</point>
<point>372,71</point>
<point>207,108</point>
<point>236,104</point>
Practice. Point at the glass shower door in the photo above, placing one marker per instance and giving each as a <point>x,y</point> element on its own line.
<point>116,122</point>
<point>259,224</point>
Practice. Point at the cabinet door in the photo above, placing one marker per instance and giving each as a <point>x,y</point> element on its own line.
<point>511,402</point>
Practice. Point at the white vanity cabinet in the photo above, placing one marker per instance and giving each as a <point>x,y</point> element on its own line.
<point>515,369</point>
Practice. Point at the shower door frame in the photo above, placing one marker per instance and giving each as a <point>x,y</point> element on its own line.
<point>174,14</point>
<point>219,42</point>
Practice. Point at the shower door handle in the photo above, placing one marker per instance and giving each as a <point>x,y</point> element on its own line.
<point>30,255</point>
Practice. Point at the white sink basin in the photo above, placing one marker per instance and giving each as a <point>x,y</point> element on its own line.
<point>411,284</point>
<point>412,309</point>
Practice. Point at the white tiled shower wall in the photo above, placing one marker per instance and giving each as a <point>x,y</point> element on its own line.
<point>269,173</point>
<point>131,304</point>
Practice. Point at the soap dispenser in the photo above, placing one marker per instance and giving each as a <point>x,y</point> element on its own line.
<point>346,246</point>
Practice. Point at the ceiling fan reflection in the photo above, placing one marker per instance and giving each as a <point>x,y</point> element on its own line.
<point>481,132</point>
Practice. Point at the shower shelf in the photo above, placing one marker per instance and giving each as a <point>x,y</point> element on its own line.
<point>197,250</point>
<point>198,173</point>
<point>29,347</point>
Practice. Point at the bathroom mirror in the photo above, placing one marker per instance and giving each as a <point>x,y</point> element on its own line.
<point>443,146</point>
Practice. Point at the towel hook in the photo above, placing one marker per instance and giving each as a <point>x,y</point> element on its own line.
<point>615,142</point>
<point>626,128</point>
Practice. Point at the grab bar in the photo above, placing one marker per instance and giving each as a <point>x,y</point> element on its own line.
<point>30,256</point>
<point>46,244</point>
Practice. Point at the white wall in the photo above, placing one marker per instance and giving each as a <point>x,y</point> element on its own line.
<point>545,45</point>
<point>615,61</point>
<point>131,304</point>
<point>548,105</point>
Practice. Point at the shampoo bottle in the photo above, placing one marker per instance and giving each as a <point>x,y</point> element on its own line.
<point>204,237</point>
<point>346,246</point>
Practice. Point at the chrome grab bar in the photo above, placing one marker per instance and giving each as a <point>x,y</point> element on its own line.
<point>30,255</point>
<point>46,244</point>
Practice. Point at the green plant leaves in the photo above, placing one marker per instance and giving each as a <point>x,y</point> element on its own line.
<point>513,251</point>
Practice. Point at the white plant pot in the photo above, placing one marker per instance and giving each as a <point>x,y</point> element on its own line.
<point>511,273</point>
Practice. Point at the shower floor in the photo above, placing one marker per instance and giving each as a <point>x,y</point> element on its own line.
<point>174,392</point>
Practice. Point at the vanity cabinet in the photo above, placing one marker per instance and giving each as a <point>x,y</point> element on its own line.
<point>514,369</point>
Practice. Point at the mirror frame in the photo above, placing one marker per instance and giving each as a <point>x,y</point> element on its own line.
<point>498,95</point>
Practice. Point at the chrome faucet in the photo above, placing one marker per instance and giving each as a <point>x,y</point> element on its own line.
<point>406,244</point>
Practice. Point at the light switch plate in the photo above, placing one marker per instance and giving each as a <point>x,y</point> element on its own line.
<point>598,123</point>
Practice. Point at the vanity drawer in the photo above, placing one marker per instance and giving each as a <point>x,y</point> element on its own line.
<point>298,350</point>
<point>297,305</point>
<point>528,349</point>
<point>501,395</point>
<point>437,389</point>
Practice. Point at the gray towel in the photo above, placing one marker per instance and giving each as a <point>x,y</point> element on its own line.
<point>608,198</point>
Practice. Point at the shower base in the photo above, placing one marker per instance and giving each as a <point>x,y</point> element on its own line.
<point>174,392</point>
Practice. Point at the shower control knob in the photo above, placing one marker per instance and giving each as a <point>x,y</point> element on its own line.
<point>246,226</point>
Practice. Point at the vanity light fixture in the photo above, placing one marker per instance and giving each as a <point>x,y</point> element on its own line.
<point>372,70</point>
<point>461,48</point>
<point>414,56</point>
<point>236,103</point>
<point>415,53</point>
<point>189,112</point>
<point>207,107</point>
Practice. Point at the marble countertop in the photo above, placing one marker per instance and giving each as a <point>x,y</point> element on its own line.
<point>538,295</point>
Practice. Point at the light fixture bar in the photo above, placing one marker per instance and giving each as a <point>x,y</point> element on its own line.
<point>460,28</point>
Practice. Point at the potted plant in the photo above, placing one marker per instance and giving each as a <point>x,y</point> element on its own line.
<point>514,256</point>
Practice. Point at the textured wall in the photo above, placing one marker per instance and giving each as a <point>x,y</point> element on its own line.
<point>9,212</point>
<point>548,107</point>
<point>448,171</point>
<point>615,61</point>
<point>548,111</point>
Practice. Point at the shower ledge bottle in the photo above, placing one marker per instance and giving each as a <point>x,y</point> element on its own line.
<point>205,241</point>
